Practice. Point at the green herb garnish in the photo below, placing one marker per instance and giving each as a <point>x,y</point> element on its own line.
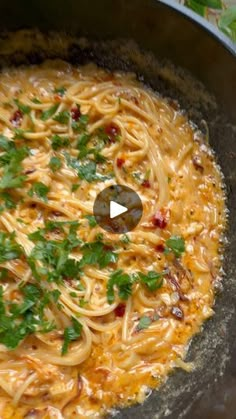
<point>39,189</point>
<point>59,142</point>
<point>92,220</point>
<point>153,280</point>
<point>123,282</point>
<point>144,323</point>
<point>71,333</point>
<point>11,161</point>
<point>97,253</point>
<point>60,90</point>
<point>9,248</point>
<point>62,117</point>
<point>49,112</point>
<point>23,108</point>
<point>55,163</point>
<point>176,245</point>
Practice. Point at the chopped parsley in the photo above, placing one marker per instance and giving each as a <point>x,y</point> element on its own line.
<point>20,320</point>
<point>6,144</point>
<point>9,248</point>
<point>85,150</point>
<point>39,189</point>
<point>55,163</point>
<point>81,124</point>
<point>59,142</point>
<point>153,280</point>
<point>8,202</point>
<point>74,187</point>
<point>71,333</point>
<point>86,171</point>
<point>176,245</point>
<point>36,101</point>
<point>97,253</point>
<point>91,220</point>
<point>62,117</point>
<point>47,114</point>
<point>23,108</point>
<point>55,263</point>
<point>144,322</point>
<point>125,239</point>
<point>11,160</point>
<point>124,284</point>
<point>60,90</point>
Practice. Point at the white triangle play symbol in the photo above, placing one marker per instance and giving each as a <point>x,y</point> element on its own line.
<point>116,209</point>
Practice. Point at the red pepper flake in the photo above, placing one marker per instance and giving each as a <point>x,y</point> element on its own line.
<point>112,130</point>
<point>177,312</point>
<point>57,98</point>
<point>160,248</point>
<point>16,118</point>
<point>160,219</point>
<point>120,310</point>
<point>146,183</point>
<point>75,113</point>
<point>120,162</point>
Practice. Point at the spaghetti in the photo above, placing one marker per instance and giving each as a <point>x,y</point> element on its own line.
<point>89,320</point>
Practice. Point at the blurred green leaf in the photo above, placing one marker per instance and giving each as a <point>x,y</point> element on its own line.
<point>196,7</point>
<point>227,22</point>
<point>213,4</point>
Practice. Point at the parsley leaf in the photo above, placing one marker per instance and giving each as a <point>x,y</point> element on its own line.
<point>92,220</point>
<point>124,284</point>
<point>153,280</point>
<point>8,201</point>
<point>85,171</point>
<point>60,90</point>
<point>9,248</point>
<point>62,117</point>
<point>36,101</point>
<point>144,322</point>
<point>55,163</point>
<point>81,125</point>
<point>23,108</point>
<point>71,333</point>
<point>39,189</point>
<point>175,244</point>
<point>49,112</point>
<point>12,161</point>
<point>59,142</point>
<point>6,144</point>
<point>125,239</point>
<point>97,253</point>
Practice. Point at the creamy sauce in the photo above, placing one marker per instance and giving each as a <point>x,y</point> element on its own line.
<point>141,140</point>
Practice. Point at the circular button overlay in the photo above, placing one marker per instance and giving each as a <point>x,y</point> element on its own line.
<point>118,209</point>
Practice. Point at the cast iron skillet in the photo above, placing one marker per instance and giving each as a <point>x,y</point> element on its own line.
<point>168,32</point>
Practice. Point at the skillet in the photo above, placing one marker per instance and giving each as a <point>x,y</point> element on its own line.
<point>149,37</point>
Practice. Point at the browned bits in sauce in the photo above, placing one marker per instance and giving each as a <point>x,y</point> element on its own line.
<point>29,171</point>
<point>177,312</point>
<point>198,163</point>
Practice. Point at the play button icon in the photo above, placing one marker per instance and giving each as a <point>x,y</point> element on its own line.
<point>118,209</point>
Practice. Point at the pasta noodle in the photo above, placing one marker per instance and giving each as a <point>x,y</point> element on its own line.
<point>89,319</point>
